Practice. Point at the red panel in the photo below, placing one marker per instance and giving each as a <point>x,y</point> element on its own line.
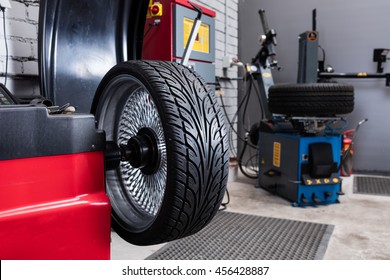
<point>185,3</point>
<point>158,40</point>
<point>54,208</point>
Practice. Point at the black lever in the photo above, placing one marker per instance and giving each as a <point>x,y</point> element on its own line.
<point>198,9</point>
<point>328,194</point>
<point>316,199</point>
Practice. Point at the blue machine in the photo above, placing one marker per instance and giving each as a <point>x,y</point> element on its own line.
<point>302,169</point>
<point>299,144</point>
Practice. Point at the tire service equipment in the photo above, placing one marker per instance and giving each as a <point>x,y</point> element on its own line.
<point>299,151</point>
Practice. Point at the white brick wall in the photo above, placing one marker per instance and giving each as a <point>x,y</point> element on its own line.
<point>22,33</point>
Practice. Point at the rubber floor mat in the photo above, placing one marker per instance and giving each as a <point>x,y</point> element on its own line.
<point>233,236</point>
<point>371,185</point>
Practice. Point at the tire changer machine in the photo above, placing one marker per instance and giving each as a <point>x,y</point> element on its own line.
<point>299,144</point>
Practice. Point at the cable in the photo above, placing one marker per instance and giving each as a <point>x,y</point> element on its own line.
<point>243,105</point>
<point>323,53</point>
<point>151,25</point>
<point>258,97</point>
<point>231,122</point>
<point>250,162</point>
<point>224,204</point>
<point>247,97</point>
<point>6,47</point>
<point>240,163</point>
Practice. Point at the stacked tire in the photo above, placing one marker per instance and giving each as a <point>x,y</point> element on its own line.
<point>319,99</point>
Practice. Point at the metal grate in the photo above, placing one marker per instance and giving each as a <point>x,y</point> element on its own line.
<point>371,185</point>
<point>233,236</point>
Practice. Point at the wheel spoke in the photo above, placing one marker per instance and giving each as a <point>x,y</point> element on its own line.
<point>146,190</point>
<point>127,109</point>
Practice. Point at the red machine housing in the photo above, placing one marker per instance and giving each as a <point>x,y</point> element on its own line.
<point>53,203</point>
<point>160,29</point>
<point>167,29</point>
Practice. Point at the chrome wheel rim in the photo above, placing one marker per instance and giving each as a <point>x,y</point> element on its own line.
<point>136,195</point>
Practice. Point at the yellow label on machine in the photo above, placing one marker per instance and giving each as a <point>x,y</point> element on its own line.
<point>202,41</point>
<point>277,154</point>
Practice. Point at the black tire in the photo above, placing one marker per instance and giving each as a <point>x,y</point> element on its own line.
<point>185,191</point>
<point>311,99</point>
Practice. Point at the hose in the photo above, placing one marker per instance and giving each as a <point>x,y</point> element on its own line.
<point>240,162</point>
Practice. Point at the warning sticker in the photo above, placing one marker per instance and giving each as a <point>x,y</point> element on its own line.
<point>277,154</point>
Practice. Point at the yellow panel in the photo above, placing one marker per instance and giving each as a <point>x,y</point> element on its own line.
<point>277,154</point>
<point>202,41</point>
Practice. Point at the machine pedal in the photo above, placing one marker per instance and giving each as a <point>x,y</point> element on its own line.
<point>328,194</point>
<point>304,200</point>
<point>316,199</point>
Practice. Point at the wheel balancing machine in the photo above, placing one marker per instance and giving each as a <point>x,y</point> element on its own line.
<point>299,139</point>
<point>140,139</point>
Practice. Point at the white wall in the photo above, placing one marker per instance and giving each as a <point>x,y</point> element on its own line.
<point>21,32</point>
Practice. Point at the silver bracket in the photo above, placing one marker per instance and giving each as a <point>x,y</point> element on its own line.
<point>194,33</point>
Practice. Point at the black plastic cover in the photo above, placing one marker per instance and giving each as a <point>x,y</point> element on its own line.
<point>29,131</point>
<point>80,40</point>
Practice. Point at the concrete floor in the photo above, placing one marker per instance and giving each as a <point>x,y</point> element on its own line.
<point>362,222</point>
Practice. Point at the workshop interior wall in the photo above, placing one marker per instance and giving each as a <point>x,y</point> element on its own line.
<point>348,31</point>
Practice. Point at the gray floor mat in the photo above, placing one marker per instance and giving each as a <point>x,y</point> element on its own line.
<point>237,236</point>
<point>371,185</point>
